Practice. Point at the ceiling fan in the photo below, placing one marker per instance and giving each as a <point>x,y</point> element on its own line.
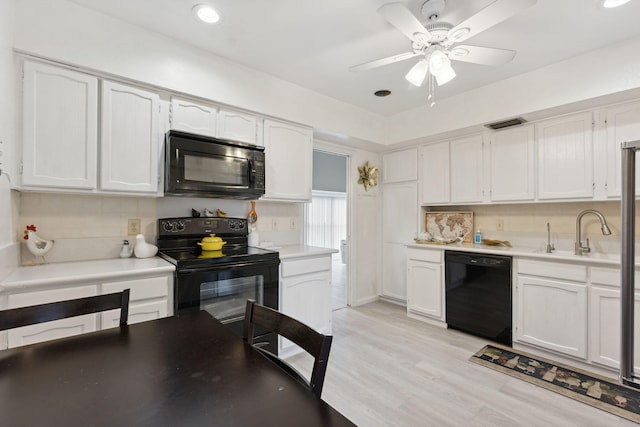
<point>436,43</point>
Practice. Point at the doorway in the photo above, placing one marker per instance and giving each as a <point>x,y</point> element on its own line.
<point>326,218</point>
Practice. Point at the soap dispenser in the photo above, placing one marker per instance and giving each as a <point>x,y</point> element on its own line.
<point>126,250</point>
<point>478,237</point>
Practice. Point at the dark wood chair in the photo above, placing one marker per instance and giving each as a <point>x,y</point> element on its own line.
<point>314,343</point>
<point>17,317</point>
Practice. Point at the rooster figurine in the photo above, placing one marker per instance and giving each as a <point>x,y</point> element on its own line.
<point>36,245</point>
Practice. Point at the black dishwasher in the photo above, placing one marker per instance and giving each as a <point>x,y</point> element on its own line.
<point>478,294</point>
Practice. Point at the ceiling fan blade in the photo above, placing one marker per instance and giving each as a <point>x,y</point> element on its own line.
<point>496,12</point>
<point>400,17</point>
<point>384,61</point>
<point>481,55</point>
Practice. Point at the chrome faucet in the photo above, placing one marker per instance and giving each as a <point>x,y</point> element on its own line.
<point>550,247</point>
<point>581,250</point>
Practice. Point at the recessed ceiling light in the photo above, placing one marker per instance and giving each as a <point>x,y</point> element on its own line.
<point>206,13</point>
<point>614,3</point>
<point>383,92</point>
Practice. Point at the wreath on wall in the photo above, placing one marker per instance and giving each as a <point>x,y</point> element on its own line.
<point>368,176</point>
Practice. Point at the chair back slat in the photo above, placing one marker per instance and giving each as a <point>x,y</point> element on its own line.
<point>313,342</point>
<point>23,316</point>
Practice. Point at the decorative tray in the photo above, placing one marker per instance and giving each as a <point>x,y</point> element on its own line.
<point>490,242</point>
<point>436,242</point>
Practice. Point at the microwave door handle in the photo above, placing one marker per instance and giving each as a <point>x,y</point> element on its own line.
<point>252,172</point>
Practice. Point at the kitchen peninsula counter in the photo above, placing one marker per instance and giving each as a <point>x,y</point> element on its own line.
<point>38,276</point>
<point>298,251</point>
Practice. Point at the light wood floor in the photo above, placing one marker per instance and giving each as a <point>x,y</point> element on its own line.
<point>388,370</point>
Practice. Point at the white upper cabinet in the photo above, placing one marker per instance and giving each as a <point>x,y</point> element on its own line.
<point>129,139</point>
<point>238,126</point>
<point>193,117</point>
<point>288,161</point>
<point>623,124</point>
<point>434,182</point>
<point>211,120</point>
<point>467,171</point>
<point>565,157</point>
<point>60,128</point>
<point>400,166</point>
<point>512,163</point>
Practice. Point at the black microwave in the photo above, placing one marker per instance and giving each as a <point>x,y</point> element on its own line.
<point>202,166</point>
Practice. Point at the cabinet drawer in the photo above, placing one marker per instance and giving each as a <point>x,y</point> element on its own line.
<point>573,272</point>
<point>429,255</point>
<point>610,276</point>
<point>305,265</point>
<point>150,287</point>
<point>57,328</point>
<point>140,312</point>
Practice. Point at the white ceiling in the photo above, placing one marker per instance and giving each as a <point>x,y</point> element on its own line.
<point>313,43</point>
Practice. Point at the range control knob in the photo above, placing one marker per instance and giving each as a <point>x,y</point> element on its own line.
<point>167,226</point>
<point>179,226</point>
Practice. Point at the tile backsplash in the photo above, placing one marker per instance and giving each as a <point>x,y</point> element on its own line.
<point>93,226</point>
<point>60,216</point>
<point>526,224</point>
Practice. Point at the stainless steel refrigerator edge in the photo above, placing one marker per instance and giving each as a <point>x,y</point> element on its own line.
<point>627,263</point>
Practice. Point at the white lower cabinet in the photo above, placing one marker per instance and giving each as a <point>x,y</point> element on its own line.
<point>305,295</point>
<point>151,297</point>
<point>605,328</point>
<point>425,286</point>
<point>552,311</point>
<point>55,329</point>
<point>604,318</point>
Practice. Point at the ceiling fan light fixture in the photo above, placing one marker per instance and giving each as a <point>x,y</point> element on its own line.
<point>440,67</point>
<point>445,75</point>
<point>206,13</point>
<point>613,3</point>
<point>418,72</point>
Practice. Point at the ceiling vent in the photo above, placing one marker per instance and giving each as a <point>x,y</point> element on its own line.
<point>507,123</point>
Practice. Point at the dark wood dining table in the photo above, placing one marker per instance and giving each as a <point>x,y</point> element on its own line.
<point>178,371</point>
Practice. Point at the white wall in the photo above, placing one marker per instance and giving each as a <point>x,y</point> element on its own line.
<point>8,199</point>
<point>600,73</point>
<point>70,33</point>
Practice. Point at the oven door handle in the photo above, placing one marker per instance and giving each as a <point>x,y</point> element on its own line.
<point>223,267</point>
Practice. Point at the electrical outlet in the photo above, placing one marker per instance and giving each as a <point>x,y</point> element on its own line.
<point>293,223</point>
<point>499,225</point>
<point>133,226</point>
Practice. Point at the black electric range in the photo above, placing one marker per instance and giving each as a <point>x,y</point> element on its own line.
<point>178,242</point>
<point>219,282</point>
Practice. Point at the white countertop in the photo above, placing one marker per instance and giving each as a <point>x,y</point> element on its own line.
<point>297,251</point>
<point>592,258</point>
<point>83,271</point>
